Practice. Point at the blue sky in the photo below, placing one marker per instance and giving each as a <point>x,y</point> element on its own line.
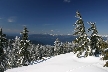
<point>52,16</point>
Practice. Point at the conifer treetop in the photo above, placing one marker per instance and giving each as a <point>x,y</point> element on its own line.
<point>78,15</point>
<point>0,30</point>
<point>24,33</point>
<point>80,29</point>
<point>57,41</point>
<point>93,28</point>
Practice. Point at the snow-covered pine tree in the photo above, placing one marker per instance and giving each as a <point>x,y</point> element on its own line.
<point>96,41</point>
<point>40,52</point>
<point>57,46</point>
<point>33,53</point>
<point>37,51</point>
<point>46,48</point>
<point>70,46</point>
<point>75,47</point>
<point>3,46</point>
<point>44,51</point>
<point>16,52</point>
<point>105,57</point>
<point>24,44</point>
<point>10,54</point>
<point>61,48</point>
<point>82,41</point>
<point>52,51</point>
<point>66,47</point>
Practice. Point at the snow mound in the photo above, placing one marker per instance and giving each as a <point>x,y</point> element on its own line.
<point>89,59</point>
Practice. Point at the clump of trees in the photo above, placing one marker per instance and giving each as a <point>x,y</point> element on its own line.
<point>89,46</point>
<point>20,52</point>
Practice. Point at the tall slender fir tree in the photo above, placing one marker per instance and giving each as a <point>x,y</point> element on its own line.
<point>24,44</point>
<point>82,42</point>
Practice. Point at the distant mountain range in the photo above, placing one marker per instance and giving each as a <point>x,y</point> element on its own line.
<point>46,39</point>
<point>49,39</point>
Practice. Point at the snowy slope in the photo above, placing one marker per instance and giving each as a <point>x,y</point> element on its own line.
<point>65,63</point>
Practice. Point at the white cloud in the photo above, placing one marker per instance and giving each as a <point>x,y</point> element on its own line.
<point>12,19</point>
<point>52,30</point>
<point>67,1</point>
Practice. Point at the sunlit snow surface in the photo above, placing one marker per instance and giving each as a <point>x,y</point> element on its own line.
<point>65,63</point>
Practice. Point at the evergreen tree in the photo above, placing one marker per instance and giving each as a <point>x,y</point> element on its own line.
<point>105,53</point>
<point>96,41</point>
<point>52,51</point>
<point>24,44</point>
<point>47,53</point>
<point>82,41</point>
<point>32,53</point>
<point>3,46</point>
<point>66,47</point>
<point>46,49</point>
<point>70,46</point>
<point>10,54</point>
<point>16,52</point>
<point>57,46</point>
<point>61,48</point>
<point>40,52</point>
<point>37,51</point>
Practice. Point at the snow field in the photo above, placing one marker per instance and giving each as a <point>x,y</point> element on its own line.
<point>65,63</point>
